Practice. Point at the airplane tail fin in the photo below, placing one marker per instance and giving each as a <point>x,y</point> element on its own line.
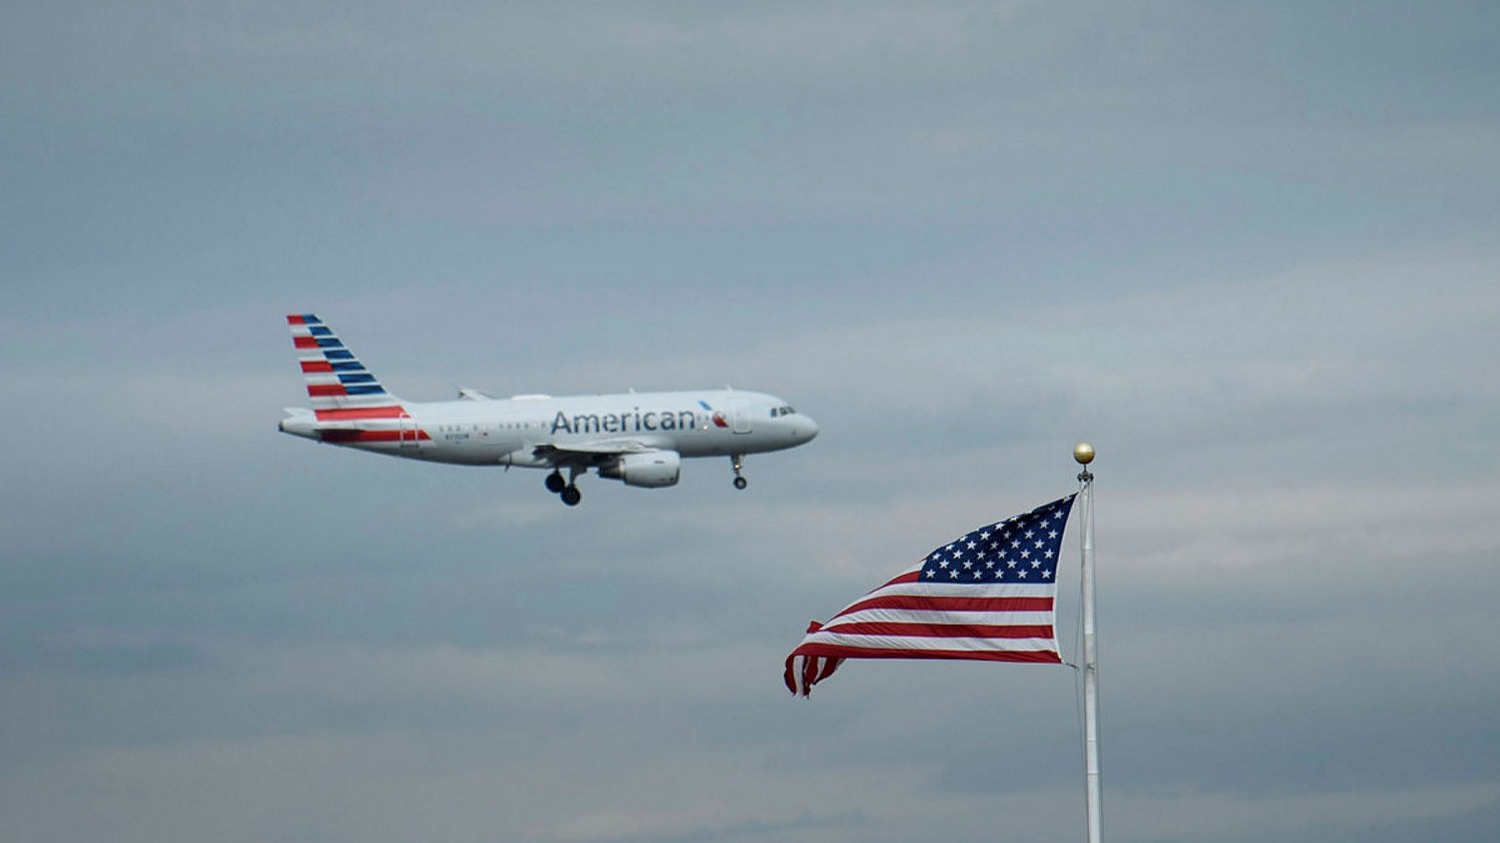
<point>338,384</point>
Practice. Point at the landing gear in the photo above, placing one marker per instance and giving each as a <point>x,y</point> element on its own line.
<point>565,489</point>
<point>738,461</point>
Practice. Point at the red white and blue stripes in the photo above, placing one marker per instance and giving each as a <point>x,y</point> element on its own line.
<point>988,595</point>
<point>340,387</point>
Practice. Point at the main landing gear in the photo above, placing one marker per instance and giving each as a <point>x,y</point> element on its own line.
<point>738,461</point>
<point>565,489</point>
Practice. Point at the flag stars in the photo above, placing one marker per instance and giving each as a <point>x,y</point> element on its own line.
<point>1017,550</point>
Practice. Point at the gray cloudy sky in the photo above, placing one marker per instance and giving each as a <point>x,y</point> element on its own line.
<point>1247,250</point>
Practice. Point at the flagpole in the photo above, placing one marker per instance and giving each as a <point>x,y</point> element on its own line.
<point>1083,453</point>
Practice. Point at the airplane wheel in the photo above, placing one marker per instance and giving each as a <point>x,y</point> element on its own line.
<point>740,483</point>
<point>571,496</point>
<point>556,483</point>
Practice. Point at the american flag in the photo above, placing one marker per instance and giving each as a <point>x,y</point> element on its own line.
<point>987,595</point>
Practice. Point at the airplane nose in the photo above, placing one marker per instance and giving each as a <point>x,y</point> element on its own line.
<point>808,428</point>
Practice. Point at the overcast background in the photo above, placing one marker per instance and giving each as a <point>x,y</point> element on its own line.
<point>1249,251</point>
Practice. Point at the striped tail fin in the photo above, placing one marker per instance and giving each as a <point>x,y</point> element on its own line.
<point>338,384</point>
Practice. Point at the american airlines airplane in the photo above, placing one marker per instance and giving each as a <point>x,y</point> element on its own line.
<point>637,438</point>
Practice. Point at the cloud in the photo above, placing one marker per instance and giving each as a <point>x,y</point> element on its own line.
<point>1242,252</point>
<point>1280,529</point>
<point>1192,816</point>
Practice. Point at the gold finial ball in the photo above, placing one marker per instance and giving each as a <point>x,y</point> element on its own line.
<point>1083,452</point>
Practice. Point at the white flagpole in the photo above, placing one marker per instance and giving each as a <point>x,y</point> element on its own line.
<point>1084,454</point>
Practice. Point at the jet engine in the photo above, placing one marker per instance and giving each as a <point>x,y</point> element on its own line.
<point>653,469</point>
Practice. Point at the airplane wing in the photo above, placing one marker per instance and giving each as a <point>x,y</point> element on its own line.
<point>637,462</point>
<point>594,451</point>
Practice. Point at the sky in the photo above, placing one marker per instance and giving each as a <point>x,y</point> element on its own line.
<point>1248,251</point>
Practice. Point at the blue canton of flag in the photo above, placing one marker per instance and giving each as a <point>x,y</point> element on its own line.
<point>1021,549</point>
<point>987,595</point>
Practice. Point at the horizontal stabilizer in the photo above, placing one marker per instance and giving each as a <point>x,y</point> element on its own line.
<point>310,425</point>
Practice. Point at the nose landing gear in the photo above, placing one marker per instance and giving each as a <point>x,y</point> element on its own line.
<point>738,461</point>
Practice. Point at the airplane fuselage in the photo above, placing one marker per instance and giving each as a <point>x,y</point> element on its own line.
<point>639,439</point>
<point>509,432</point>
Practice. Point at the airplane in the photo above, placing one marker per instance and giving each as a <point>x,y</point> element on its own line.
<point>637,438</point>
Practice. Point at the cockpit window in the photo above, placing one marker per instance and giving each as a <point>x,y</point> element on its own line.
<point>783,410</point>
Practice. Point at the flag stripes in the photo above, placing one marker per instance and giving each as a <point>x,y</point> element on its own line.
<point>988,595</point>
